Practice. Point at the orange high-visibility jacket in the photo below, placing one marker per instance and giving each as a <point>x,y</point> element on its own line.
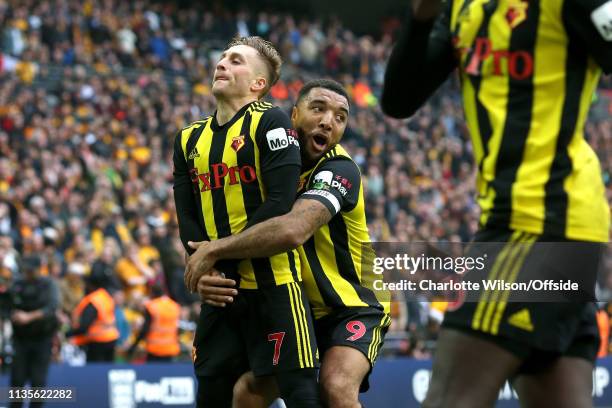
<point>603,321</point>
<point>162,338</point>
<point>104,328</point>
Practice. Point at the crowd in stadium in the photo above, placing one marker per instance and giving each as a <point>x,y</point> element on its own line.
<point>92,94</point>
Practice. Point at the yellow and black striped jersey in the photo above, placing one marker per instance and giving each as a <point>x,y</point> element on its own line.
<point>528,71</point>
<point>333,264</point>
<point>232,176</point>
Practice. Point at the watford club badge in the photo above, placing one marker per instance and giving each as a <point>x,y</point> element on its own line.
<point>517,12</point>
<point>237,142</point>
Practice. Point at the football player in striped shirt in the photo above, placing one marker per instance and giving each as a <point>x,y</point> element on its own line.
<point>234,169</point>
<point>528,71</point>
<point>328,226</point>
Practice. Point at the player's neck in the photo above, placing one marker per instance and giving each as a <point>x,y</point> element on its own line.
<point>227,108</point>
<point>307,163</point>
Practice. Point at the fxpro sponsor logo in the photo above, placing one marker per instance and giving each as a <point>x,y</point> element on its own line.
<point>126,391</point>
<point>517,64</point>
<point>420,385</point>
<point>280,138</point>
<point>215,178</point>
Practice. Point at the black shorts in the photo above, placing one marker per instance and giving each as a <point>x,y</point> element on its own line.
<point>266,331</point>
<point>362,328</point>
<point>537,332</point>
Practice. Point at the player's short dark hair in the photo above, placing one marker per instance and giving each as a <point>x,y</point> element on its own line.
<point>268,53</point>
<point>322,83</point>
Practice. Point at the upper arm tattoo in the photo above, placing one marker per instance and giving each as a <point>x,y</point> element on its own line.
<point>311,213</point>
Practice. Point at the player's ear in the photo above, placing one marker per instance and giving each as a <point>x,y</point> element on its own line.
<point>259,84</point>
<point>294,114</point>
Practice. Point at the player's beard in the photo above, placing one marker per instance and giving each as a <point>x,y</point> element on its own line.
<point>308,159</point>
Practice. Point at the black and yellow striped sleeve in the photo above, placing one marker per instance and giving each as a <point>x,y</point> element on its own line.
<point>280,164</point>
<point>187,209</point>
<point>335,184</point>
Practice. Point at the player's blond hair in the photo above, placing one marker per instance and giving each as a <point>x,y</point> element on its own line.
<point>268,54</point>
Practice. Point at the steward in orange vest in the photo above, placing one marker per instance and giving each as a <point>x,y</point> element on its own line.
<point>93,322</point>
<point>160,328</point>
<point>603,322</point>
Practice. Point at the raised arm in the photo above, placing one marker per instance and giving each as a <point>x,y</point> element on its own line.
<point>590,21</point>
<point>420,61</point>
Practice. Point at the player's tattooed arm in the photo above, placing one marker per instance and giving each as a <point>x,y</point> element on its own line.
<point>276,235</point>
<point>306,217</point>
<point>268,238</point>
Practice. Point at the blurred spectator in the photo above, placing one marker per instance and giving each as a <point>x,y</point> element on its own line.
<point>603,323</point>
<point>8,258</point>
<point>105,265</point>
<point>34,303</point>
<point>93,321</point>
<point>134,273</point>
<point>72,287</point>
<point>160,328</point>
<point>146,252</point>
<point>122,324</point>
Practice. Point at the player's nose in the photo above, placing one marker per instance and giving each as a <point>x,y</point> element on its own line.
<point>325,122</point>
<point>221,65</point>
